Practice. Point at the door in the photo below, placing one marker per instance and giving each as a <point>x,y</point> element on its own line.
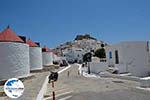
<point>116,57</point>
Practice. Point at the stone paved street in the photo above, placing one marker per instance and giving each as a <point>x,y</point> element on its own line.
<point>76,87</point>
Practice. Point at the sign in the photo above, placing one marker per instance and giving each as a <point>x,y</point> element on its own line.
<point>13,88</point>
<point>53,76</point>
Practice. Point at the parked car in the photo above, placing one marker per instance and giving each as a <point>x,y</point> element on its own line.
<point>63,63</point>
<point>71,62</point>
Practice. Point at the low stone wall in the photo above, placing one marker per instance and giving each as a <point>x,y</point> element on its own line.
<point>145,82</point>
<point>97,67</point>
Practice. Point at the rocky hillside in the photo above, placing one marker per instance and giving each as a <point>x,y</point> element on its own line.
<point>85,42</point>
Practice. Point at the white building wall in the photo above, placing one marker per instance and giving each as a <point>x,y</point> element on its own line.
<point>78,55</point>
<point>137,58</point>
<point>97,67</point>
<point>95,59</point>
<point>35,58</point>
<point>52,59</point>
<point>133,57</point>
<point>111,62</point>
<point>55,58</point>
<point>14,60</point>
<point>74,54</point>
<point>69,57</point>
<point>47,58</point>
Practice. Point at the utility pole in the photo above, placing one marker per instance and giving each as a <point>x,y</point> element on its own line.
<point>88,64</point>
<point>53,92</point>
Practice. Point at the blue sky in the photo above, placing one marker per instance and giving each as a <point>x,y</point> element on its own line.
<point>52,22</point>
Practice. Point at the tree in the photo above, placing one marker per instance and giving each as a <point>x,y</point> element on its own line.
<point>102,45</point>
<point>87,57</point>
<point>100,53</point>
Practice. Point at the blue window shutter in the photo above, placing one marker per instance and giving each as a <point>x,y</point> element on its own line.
<point>110,55</point>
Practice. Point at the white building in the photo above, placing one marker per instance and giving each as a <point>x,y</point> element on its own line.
<point>35,53</point>
<point>55,57</point>
<point>132,57</point>
<point>88,44</point>
<point>14,56</point>
<point>74,54</point>
<point>47,57</point>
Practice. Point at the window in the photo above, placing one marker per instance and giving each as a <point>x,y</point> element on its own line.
<point>117,57</point>
<point>110,55</point>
